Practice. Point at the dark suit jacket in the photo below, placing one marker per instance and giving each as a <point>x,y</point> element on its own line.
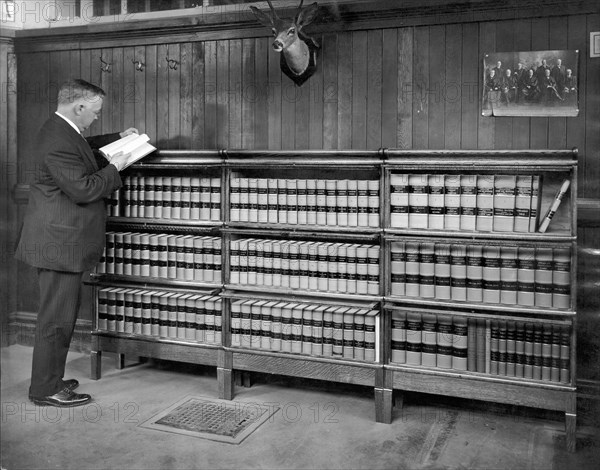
<point>65,224</point>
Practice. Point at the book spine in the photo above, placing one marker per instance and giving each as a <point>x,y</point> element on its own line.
<point>302,193</point>
<point>555,354</point>
<point>413,338</point>
<point>418,201</point>
<point>427,270</point>
<point>523,190</point>
<point>373,269</point>
<point>444,342</point>
<point>127,254</point>
<point>236,323</point>
<point>565,354</point>
<point>175,198</point>
<point>494,347</point>
<point>528,351</point>
<point>412,269</point>
<point>362,201</point>
<point>452,202</point>
<point>311,202</point>
<point>362,269</point>
<point>543,277</point>
<point>485,203</point>
<point>460,343</point>
<point>468,202</point>
<point>399,200</point>
<point>442,271</point>
<point>491,274</point>
<point>348,333</point>
<point>352,203</point>
<point>342,268</point>
<point>537,351</point>
<point>373,203</point>
<point>398,269</point>
<point>341,202</point>
<point>474,273</point>
<point>534,210</point>
<point>330,202</point>
<point>429,340</point>
<point>292,201</point>
<point>351,253</point>
<point>186,198</point>
<point>472,345</point>
<point>458,272</point>
<point>286,327</point>
<point>398,337</point>
<point>158,197</point>
<point>272,198</point>
<point>546,352</point>
<point>155,313</point>
<point>371,336</point>
<point>328,332</point>
<point>195,198</point>
<point>436,202</point>
<point>263,200</point>
<point>102,309</point>
<point>252,199</point>
<point>561,278</point>
<point>307,337</point>
<point>511,349</point>
<point>520,349</point>
<point>502,331</point>
<point>508,275</point>
<point>504,203</point>
<point>481,345</point>
<point>359,335</point>
<point>321,200</point>
<point>276,326</point>
<point>317,331</point>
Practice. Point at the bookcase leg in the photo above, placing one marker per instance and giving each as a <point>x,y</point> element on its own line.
<point>120,361</point>
<point>237,376</point>
<point>225,381</point>
<point>246,382</point>
<point>383,405</point>
<point>96,363</point>
<point>398,399</point>
<point>571,428</point>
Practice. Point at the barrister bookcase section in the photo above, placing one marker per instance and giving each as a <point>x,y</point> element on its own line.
<point>448,272</point>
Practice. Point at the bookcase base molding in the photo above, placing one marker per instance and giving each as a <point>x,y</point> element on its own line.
<point>546,397</point>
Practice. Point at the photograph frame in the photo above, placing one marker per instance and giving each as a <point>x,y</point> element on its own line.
<point>531,83</point>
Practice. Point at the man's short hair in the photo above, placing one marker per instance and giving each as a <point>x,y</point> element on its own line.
<point>76,89</point>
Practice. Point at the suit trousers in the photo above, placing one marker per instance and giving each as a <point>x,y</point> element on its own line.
<point>60,298</point>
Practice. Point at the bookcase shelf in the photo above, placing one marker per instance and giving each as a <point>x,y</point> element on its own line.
<point>270,208</point>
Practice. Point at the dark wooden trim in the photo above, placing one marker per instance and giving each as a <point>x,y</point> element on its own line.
<point>588,212</point>
<point>240,24</point>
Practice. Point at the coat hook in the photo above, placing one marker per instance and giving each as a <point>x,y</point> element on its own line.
<point>139,65</point>
<point>172,63</point>
<point>105,67</point>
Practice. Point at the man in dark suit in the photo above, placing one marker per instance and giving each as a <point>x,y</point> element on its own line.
<point>64,232</point>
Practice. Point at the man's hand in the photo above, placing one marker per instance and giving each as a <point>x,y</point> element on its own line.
<point>126,132</point>
<point>119,160</point>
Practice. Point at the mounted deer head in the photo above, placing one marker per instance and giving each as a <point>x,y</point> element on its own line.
<point>298,51</point>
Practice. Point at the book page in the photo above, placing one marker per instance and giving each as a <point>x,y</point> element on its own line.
<point>114,147</point>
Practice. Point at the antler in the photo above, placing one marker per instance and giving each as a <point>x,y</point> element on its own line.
<point>272,9</point>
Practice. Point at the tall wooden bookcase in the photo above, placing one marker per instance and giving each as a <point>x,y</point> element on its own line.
<point>501,343</point>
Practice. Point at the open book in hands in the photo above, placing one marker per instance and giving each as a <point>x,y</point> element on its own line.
<point>135,144</point>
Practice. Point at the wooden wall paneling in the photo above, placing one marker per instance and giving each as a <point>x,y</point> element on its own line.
<point>139,86</point>
<point>234,94</point>
<point>174,96</point>
<point>390,78</point>
<point>106,60</point>
<point>557,40</point>
<point>117,95</point>
<point>59,66</point>
<point>222,94</point>
<point>210,107</point>
<point>85,65</point>
<point>275,100</point>
<point>260,93</point>
<point>522,42</point>
<point>150,97</point>
<point>437,85</point>
<point>198,96</point>
<point>360,86</point>
<point>315,103</point>
<point>539,125</point>
<point>94,75</point>
<point>75,64</point>
<point>248,91</point>
<point>330,91</point>
<point>162,98</point>
<point>129,91</point>
<point>421,87</point>
<point>344,92</point>
<point>471,86</point>
<point>301,99</point>
<point>374,88</point>
<point>578,39</point>
<point>487,44</point>
<point>185,102</point>
<point>503,135</point>
<point>451,93</point>
<point>592,118</point>
<point>405,88</point>
<point>288,113</point>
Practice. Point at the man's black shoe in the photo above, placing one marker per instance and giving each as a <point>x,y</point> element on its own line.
<point>64,398</point>
<point>71,384</point>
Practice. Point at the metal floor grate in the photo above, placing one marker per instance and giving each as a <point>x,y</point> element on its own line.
<point>218,420</point>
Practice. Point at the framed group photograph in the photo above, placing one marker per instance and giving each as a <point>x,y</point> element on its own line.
<point>531,83</point>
